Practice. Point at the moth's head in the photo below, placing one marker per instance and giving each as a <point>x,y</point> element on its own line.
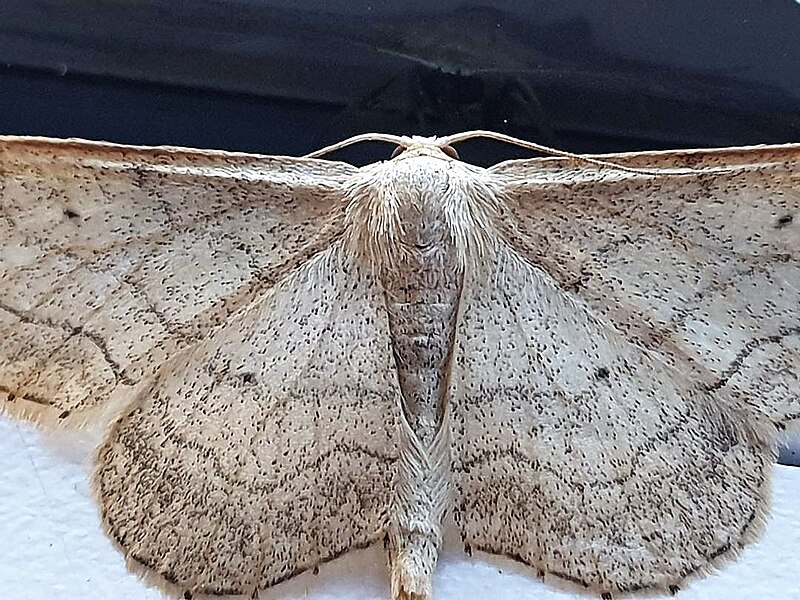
<point>409,147</point>
<point>405,146</point>
<point>442,147</point>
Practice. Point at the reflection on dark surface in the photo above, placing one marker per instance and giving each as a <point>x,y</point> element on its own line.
<point>482,68</point>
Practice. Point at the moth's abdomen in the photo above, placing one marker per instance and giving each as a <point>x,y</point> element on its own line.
<point>421,304</point>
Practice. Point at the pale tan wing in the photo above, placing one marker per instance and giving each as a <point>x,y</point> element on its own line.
<point>268,448</point>
<point>703,269</point>
<point>114,258</point>
<point>584,454</point>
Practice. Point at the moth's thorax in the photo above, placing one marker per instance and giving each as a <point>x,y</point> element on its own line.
<point>409,209</point>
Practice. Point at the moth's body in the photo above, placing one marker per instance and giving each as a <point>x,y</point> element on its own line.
<point>421,278</point>
<point>312,357</point>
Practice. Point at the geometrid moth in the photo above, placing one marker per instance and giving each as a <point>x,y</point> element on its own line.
<point>585,361</point>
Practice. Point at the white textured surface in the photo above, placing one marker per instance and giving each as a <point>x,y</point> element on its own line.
<point>51,544</point>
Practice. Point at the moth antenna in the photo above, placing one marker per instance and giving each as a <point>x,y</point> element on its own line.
<point>502,137</point>
<point>357,139</point>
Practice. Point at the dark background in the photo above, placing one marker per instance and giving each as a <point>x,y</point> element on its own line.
<point>287,77</point>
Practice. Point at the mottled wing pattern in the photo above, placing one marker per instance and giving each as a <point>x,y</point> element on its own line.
<point>585,455</point>
<point>114,258</point>
<point>643,337</point>
<point>702,268</point>
<point>268,448</point>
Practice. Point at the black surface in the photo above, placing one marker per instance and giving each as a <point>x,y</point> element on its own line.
<point>288,77</point>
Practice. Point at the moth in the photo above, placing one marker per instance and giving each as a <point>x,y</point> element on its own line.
<point>585,362</point>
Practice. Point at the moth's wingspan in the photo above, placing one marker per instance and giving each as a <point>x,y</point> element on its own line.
<point>115,257</point>
<point>704,267</point>
<point>268,448</point>
<point>585,455</point>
